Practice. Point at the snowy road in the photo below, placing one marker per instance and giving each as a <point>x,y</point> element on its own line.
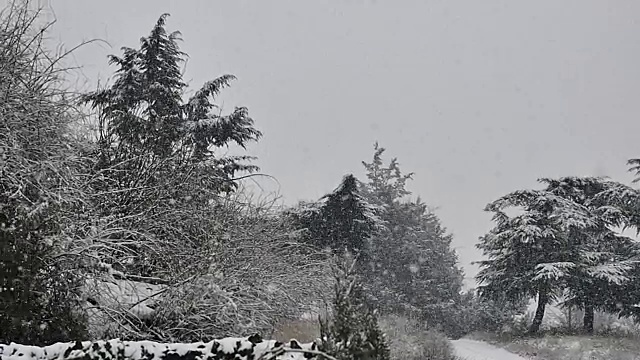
<point>476,350</point>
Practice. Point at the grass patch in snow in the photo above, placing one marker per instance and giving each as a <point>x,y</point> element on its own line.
<point>305,330</point>
<point>409,340</point>
<point>568,347</point>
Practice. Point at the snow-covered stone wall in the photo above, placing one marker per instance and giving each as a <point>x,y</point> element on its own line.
<point>249,348</point>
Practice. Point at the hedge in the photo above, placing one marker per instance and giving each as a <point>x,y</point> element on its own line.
<point>247,348</point>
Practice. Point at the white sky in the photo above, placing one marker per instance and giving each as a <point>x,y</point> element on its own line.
<point>478,98</point>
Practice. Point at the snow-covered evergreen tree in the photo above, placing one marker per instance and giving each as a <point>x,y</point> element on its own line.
<point>156,165</point>
<point>413,266</point>
<point>561,239</point>
<point>341,220</point>
<point>528,254</point>
<point>352,332</point>
<point>604,259</point>
<point>143,115</point>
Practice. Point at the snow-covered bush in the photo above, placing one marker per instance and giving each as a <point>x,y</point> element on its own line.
<point>251,275</point>
<point>38,186</point>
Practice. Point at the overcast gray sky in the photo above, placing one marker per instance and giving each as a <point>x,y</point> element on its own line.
<point>478,98</point>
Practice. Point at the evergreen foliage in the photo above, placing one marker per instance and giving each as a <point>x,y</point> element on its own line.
<point>353,331</point>
<point>142,114</point>
<point>341,220</point>
<point>156,172</point>
<point>563,238</point>
<point>405,252</point>
<point>413,268</point>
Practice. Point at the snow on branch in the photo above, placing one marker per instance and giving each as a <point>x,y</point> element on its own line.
<point>553,271</point>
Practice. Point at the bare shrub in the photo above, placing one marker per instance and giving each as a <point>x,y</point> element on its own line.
<point>251,274</point>
<point>39,189</point>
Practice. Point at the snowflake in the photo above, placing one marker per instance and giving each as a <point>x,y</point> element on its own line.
<point>414,268</point>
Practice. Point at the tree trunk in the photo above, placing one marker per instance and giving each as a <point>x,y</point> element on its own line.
<point>537,319</point>
<point>587,323</point>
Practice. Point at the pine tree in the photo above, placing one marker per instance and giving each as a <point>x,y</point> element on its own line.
<point>528,254</point>
<point>387,184</point>
<point>562,240</point>
<point>603,259</point>
<point>156,163</point>
<point>634,167</point>
<point>342,220</point>
<point>147,128</point>
<point>353,331</point>
<point>413,266</point>
<point>347,218</point>
<point>143,111</point>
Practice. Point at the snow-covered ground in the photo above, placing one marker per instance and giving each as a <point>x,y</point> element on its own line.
<point>467,349</point>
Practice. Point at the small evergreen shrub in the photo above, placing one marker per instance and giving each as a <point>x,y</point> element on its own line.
<point>352,332</point>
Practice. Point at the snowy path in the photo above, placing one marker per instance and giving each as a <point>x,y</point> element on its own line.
<point>477,350</point>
